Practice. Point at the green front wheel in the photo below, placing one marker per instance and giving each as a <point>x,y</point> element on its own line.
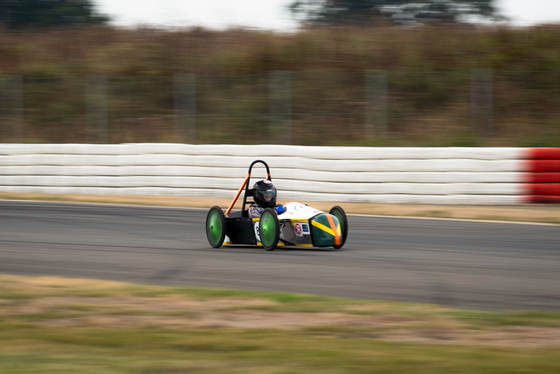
<point>269,229</point>
<point>216,227</point>
<point>338,212</point>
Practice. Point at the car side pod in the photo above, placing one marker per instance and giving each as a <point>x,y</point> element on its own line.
<point>326,231</point>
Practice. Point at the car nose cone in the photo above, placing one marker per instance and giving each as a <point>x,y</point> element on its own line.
<point>325,230</point>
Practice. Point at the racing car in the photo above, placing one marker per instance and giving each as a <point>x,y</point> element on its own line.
<point>296,225</point>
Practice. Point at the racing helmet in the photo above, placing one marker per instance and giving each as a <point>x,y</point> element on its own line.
<point>264,193</point>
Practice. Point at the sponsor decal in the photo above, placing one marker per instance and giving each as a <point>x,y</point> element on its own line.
<point>256,227</point>
<point>305,228</point>
<point>298,229</point>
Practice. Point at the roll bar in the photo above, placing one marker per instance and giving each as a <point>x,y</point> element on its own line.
<point>246,186</point>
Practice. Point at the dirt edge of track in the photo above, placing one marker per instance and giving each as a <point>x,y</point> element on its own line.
<point>549,214</point>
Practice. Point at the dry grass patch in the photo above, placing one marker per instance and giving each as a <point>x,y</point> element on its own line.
<point>68,303</point>
<point>57,326</point>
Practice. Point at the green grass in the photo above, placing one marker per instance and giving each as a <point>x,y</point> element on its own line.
<point>35,336</point>
<point>49,350</point>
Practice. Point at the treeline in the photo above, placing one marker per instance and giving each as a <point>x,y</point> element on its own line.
<point>429,83</point>
<point>141,52</point>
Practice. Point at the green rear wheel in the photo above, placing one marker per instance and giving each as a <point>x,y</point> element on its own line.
<point>216,227</point>
<point>338,212</point>
<point>269,229</point>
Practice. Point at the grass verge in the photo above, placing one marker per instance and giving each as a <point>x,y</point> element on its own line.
<point>61,325</point>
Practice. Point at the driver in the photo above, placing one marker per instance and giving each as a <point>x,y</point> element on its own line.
<point>264,193</point>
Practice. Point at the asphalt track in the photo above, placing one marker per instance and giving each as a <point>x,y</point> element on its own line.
<point>471,265</point>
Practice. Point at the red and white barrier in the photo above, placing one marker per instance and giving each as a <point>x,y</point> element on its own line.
<point>542,177</point>
<point>375,174</point>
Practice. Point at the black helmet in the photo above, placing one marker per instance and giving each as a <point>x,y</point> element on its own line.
<point>264,193</point>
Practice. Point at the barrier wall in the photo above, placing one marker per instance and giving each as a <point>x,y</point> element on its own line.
<point>384,175</point>
<point>543,177</point>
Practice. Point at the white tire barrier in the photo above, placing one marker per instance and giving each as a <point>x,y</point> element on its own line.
<point>381,175</point>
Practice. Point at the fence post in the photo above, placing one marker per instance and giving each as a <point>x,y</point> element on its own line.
<point>376,102</point>
<point>184,107</point>
<point>482,102</point>
<point>280,107</point>
<point>11,108</point>
<point>97,128</point>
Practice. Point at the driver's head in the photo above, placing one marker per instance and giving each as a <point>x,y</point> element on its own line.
<point>268,197</point>
<point>264,193</point>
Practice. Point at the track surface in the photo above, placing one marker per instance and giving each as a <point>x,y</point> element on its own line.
<point>475,265</point>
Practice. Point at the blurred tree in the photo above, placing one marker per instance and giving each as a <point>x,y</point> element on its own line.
<point>405,12</point>
<point>17,14</point>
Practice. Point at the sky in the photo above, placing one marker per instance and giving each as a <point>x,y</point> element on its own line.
<point>271,14</point>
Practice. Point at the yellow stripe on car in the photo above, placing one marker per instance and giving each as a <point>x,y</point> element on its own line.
<point>278,245</point>
<point>323,227</point>
<point>300,220</point>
